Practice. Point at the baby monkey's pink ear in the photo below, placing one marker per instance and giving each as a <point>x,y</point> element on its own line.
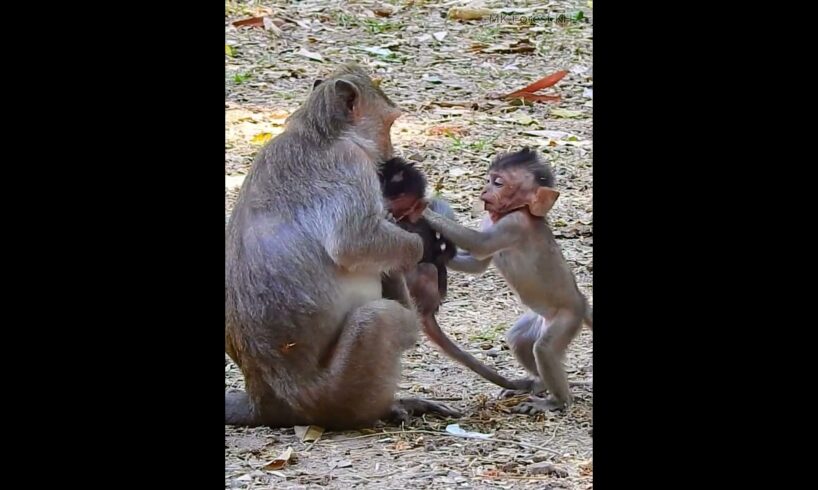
<point>543,201</point>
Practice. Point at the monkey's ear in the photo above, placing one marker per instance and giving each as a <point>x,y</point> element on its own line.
<point>543,201</point>
<point>316,83</point>
<point>347,92</point>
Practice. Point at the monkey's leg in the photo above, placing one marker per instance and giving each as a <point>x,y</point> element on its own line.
<point>362,376</point>
<point>548,352</point>
<point>521,338</point>
<point>394,287</point>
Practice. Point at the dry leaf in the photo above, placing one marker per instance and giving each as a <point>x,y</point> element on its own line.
<point>540,84</point>
<point>521,46</point>
<point>228,50</point>
<point>402,445</point>
<point>565,113</point>
<point>447,130</point>
<point>468,13</point>
<point>524,119</point>
<point>262,138</point>
<point>250,22</point>
<point>308,433</point>
<point>384,10</point>
<point>281,461</point>
<point>440,35</point>
<point>311,55</point>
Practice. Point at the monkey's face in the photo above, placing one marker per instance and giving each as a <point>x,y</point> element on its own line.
<point>502,192</point>
<point>511,189</point>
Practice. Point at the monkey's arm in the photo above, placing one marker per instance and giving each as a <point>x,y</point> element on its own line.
<point>375,241</point>
<point>465,262</point>
<point>482,245</point>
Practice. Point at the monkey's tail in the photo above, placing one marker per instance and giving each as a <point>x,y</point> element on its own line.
<point>433,331</point>
<point>238,410</point>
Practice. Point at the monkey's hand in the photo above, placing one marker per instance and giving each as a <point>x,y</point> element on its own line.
<point>405,407</point>
<point>416,211</point>
<point>535,405</point>
<point>375,243</point>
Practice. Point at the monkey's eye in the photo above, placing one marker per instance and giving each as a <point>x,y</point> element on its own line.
<point>498,181</point>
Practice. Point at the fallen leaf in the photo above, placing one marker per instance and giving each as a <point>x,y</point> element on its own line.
<point>440,36</point>
<point>384,10</point>
<point>446,130</point>
<point>565,113</point>
<point>228,50</point>
<point>281,461</point>
<point>343,464</point>
<point>540,84</point>
<point>402,445</point>
<point>424,38</point>
<point>457,171</point>
<point>311,55</point>
<point>262,138</point>
<point>524,119</point>
<point>308,433</point>
<point>588,92</point>
<point>250,22</point>
<point>468,13</point>
<point>386,53</point>
<point>521,46</point>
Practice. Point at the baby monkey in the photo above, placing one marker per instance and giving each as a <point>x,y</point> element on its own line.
<point>404,188</point>
<point>516,237</point>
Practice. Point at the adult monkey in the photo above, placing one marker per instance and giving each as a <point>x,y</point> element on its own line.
<point>306,247</point>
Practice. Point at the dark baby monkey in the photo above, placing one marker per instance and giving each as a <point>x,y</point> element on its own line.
<point>404,188</point>
<point>306,248</point>
<point>516,238</point>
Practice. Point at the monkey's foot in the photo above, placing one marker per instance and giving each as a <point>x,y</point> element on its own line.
<point>406,407</point>
<point>535,405</point>
<point>523,386</point>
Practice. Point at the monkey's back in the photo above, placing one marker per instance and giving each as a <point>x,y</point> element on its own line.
<point>281,285</point>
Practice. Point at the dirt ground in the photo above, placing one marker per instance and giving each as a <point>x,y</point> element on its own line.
<point>444,74</point>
